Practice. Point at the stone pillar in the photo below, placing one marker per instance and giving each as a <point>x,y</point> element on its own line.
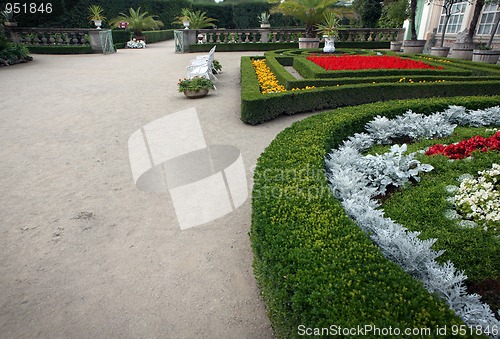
<point>184,38</point>
<point>101,40</point>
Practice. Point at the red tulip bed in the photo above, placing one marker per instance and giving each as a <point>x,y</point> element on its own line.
<point>360,62</point>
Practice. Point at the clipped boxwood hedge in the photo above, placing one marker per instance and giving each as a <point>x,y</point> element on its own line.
<point>60,49</point>
<point>257,108</point>
<point>271,46</point>
<point>315,267</point>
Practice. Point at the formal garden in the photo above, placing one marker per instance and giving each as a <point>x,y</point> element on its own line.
<point>381,212</point>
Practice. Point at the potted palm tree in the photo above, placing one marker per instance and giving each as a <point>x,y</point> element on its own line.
<point>310,12</point>
<point>264,19</point>
<point>137,22</point>
<point>96,15</point>
<point>196,19</point>
<point>329,29</point>
<point>8,18</point>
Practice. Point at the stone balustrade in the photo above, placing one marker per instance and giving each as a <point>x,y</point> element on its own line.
<point>293,35</point>
<point>50,36</point>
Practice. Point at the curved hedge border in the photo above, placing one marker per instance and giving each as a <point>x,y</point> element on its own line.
<point>257,108</point>
<point>315,267</point>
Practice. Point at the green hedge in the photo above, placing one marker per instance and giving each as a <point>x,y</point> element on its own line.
<point>60,49</point>
<point>157,36</point>
<point>314,266</point>
<point>257,108</point>
<point>272,46</point>
<point>121,36</point>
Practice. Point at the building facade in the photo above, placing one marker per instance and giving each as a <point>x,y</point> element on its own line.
<point>430,18</point>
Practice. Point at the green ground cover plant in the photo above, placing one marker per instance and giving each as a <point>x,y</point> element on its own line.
<point>314,265</point>
<point>346,88</point>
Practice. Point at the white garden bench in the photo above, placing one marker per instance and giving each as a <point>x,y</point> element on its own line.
<point>202,66</point>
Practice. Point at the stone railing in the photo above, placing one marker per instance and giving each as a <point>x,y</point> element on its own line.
<point>293,35</point>
<point>50,36</point>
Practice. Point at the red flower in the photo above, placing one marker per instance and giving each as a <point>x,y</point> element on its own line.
<point>464,148</point>
<point>356,62</point>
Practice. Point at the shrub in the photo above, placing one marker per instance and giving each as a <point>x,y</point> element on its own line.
<point>314,265</point>
<point>60,49</point>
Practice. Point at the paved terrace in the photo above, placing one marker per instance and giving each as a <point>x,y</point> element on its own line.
<point>83,252</point>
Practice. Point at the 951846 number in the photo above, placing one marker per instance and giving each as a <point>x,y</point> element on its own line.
<point>28,8</point>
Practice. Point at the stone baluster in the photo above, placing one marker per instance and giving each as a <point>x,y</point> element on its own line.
<point>52,40</point>
<point>44,39</point>
<point>247,36</point>
<point>217,35</point>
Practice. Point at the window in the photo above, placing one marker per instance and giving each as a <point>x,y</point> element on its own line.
<point>456,18</point>
<point>490,12</point>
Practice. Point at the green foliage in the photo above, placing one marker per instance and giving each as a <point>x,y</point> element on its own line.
<point>137,21</point>
<point>368,12</point>
<point>394,14</point>
<point>40,49</point>
<point>195,84</point>
<point>96,13</point>
<point>197,19</point>
<point>346,88</point>
<point>330,25</point>
<point>157,36</point>
<point>313,264</point>
<point>310,12</point>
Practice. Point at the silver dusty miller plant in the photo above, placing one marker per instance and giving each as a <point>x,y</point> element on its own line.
<point>356,180</point>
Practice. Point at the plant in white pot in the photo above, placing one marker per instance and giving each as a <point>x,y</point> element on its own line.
<point>96,15</point>
<point>264,18</point>
<point>310,12</point>
<point>8,18</point>
<point>329,29</point>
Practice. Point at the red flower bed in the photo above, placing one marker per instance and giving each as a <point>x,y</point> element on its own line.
<point>464,148</point>
<point>356,62</point>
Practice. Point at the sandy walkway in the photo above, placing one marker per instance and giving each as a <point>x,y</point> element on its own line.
<point>83,252</point>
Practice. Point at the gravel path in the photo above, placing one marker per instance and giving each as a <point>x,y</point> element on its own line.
<point>83,252</point>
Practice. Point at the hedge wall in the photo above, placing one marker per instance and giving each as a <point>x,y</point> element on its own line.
<point>74,13</point>
<point>315,267</point>
<point>236,47</point>
<point>257,108</point>
<point>60,49</point>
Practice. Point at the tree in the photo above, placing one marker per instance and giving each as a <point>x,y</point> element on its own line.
<point>197,19</point>
<point>447,6</point>
<point>369,12</point>
<point>310,12</point>
<point>394,13</point>
<point>137,21</point>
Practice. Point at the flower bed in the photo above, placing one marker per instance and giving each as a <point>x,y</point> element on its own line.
<point>354,87</point>
<point>478,199</point>
<point>267,80</point>
<point>360,62</point>
<point>358,181</point>
<point>314,265</point>
<point>465,148</point>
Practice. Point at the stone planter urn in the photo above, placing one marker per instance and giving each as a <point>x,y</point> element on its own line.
<point>413,46</point>
<point>440,51</point>
<point>98,23</point>
<point>308,43</point>
<point>196,94</point>
<point>329,45</point>
<point>396,46</point>
<point>485,55</point>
